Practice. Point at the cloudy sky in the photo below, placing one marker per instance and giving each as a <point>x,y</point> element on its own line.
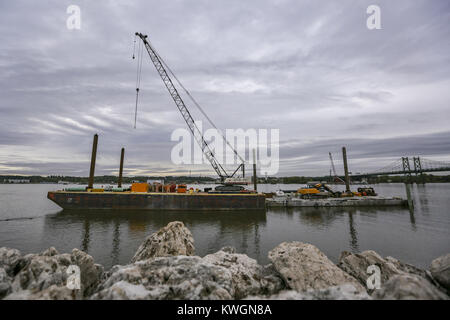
<point>311,69</point>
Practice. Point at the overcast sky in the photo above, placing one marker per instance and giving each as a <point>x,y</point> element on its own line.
<point>311,69</point>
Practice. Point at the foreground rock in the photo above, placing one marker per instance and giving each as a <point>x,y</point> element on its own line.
<point>303,266</point>
<point>164,268</point>
<point>172,240</point>
<point>343,292</point>
<point>44,276</point>
<point>356,264</point>
<point>409,287</point>
<point>179,277</point>
<point>5,283</point>
<point>440,269</point>
<point>222,275</point>
<point>247,276</point>
<point>10,260</point>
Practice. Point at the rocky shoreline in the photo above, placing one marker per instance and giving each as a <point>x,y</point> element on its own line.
<point>165,267</point>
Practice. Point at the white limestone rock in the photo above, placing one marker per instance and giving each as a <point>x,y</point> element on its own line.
<point>172,240</point>
<point>248,277</point>
<point>440,269</point>
<point>303,266</point>
<point>173,277</point>
<point>345,291</point>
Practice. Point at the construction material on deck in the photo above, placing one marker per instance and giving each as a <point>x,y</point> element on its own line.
<point>181,188</point>
<point>76,189</point>
<point>139,187</point>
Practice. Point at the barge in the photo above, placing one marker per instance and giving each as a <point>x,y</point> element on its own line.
<point>374,201</point>
<point>157,200</point>
<point>317,194</point>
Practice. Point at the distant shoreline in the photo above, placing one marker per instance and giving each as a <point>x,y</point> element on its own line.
<point>107,179</point>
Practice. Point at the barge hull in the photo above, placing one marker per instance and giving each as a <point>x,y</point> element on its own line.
<point>337,202</point>
<point>156,201</point>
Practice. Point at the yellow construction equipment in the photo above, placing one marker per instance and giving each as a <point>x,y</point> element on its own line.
<point>308,191</point>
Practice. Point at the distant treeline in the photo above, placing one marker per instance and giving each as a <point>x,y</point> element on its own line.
<point>376,179</point>
<point>427,178</point>
<point>105,179</point>
<point>199,179</point>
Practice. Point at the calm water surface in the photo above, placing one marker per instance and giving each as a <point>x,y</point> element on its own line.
<point>31,223</point>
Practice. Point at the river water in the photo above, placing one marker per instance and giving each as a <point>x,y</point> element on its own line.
<point>31,223</point>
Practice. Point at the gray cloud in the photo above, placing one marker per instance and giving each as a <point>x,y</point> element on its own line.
<point>309,68</point>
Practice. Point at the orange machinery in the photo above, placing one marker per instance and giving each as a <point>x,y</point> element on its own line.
<point>181,188</point>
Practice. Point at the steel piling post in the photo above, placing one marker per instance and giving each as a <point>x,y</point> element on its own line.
<point>122,154</point>
<point>347,178</point>
<point>254,172</point>
<point>93,157</point>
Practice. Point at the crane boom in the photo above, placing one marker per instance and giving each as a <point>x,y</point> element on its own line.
<point>221,172</point>
<point>332,164</point>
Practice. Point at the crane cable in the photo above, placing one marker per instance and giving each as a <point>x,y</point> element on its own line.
<point>195,102</point>
<point>138,75</point>
<point>134,46</point>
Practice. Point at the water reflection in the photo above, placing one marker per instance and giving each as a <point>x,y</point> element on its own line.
<point>412,219</point>
<point>421,197</point>
<point>86,237</point>
<point>324,218</point>
<point>113,236</point>
<point>116,243</point>
<point>318,217</point>
<point>353,233</point>
<point>31,224</point>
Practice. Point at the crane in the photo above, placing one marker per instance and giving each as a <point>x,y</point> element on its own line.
<point>162,68</point>
<point>334,169</point>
